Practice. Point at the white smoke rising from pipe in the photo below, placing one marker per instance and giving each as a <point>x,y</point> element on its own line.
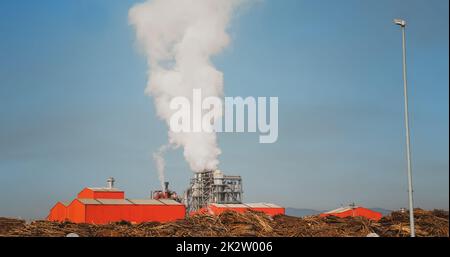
<point>158,157</point>
<point>179,37</point>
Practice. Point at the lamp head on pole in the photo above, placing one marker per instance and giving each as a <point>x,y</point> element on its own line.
<point>400,22</point>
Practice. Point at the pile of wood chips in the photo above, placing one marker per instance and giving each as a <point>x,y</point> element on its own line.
<point>428,224</point>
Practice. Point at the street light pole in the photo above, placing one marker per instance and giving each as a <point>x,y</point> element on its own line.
<point>402,24</point>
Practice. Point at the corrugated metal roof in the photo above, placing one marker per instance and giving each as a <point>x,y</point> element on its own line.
<point>88,201</point>
<point>257,205</point>
<point>128,201</point>
<point>104,189</point>
<point>342,209</point>
<point>114,201</point>
<point>271,205</point>
<point>146,202</point>
<point>218,205</point>
<point>169,202</point>
<point>246,205</point>
<point>236,205</point>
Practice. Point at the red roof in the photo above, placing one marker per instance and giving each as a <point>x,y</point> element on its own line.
<point>353,211</point>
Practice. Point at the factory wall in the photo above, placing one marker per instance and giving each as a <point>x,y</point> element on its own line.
<point>102,214</point>
<point>76,212</point>
<point>357,212</point>
<point>270,211</point>
<point>161,213</point>
<point>88,193</point>
<point>79,212</point>
<point>58,213</point>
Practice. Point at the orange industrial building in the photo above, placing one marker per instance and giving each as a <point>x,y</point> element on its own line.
<point>105,205</point>
<point>108,204</point>
<point>354,211</point>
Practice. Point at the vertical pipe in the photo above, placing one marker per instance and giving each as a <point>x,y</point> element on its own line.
<point>110,183</point>
<point>408,149</point>
<point>166,187</point>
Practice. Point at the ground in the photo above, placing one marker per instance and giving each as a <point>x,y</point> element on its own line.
<point>428,224</point>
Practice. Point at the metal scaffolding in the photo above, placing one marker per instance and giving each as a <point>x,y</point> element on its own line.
<point>212,187</point>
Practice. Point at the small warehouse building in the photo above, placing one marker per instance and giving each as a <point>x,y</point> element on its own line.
<point>106,205</point>
<point>59,212</point>
<point>354,211</point>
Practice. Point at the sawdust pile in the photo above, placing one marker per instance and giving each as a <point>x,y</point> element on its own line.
<point>428,224</point>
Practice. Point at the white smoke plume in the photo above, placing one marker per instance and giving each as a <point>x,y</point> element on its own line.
<point>158,157</point>
<point>179,37</point>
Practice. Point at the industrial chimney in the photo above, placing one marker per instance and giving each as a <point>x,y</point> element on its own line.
<point>110,183</point>
<point>166,193</point>
<point>166,187</point>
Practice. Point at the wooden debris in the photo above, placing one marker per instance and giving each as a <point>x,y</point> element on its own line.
<point>428,224</point>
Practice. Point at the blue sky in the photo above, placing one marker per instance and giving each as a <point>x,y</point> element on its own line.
<point>73,110</point>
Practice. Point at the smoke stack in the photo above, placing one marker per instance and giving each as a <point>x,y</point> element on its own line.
<point>110,183</point>
<point>166,186</point>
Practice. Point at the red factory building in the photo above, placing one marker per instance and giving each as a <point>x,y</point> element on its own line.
<point>354,211</point>
<point>105,205</point>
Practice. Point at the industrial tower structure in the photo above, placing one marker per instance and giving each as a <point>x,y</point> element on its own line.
<point>212,187</point>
